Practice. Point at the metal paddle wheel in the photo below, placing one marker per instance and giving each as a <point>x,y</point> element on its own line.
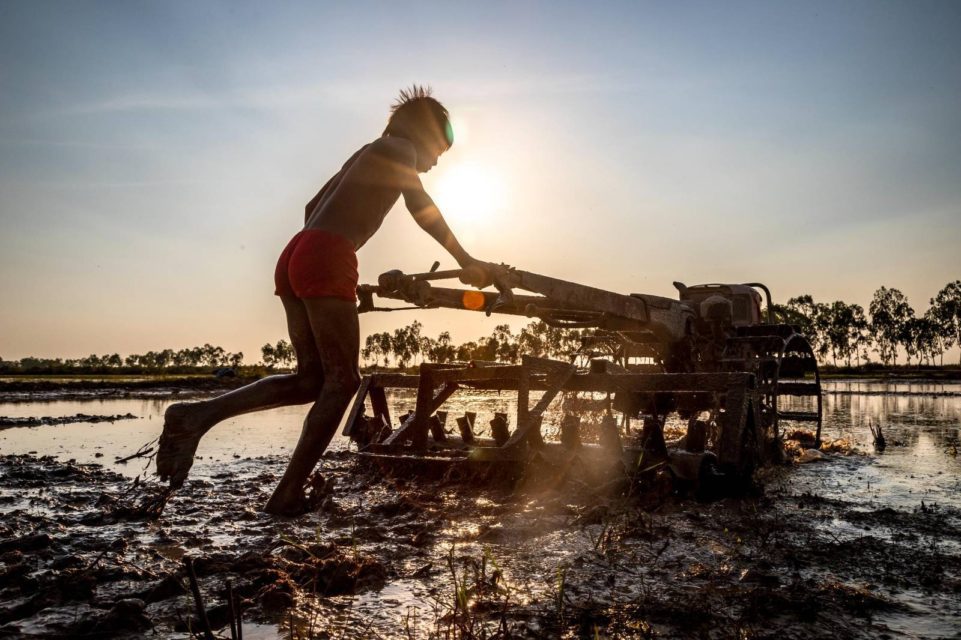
<point>787,374</point>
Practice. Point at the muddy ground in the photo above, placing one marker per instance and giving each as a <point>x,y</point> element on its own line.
<point>28,389</point>
<point>83,553</point>
<point>7,422</point>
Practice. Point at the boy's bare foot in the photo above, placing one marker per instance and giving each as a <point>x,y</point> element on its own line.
<point>287,505</point>
<point>182,431</point>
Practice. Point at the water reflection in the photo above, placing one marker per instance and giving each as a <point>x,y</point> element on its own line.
<point>144,407</point>
<point>921,422</point>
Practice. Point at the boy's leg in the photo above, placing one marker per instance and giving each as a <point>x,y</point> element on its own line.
<point>186,423</point>
<point>337,335</point>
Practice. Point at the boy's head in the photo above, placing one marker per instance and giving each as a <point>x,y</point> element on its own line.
<point>424,121</point>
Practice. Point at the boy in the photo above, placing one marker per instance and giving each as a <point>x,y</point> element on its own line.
<point>316,278</point>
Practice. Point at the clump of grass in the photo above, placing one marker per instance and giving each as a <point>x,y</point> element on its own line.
<point>559,595</point>
<point>460,589</point>
<point>480,603</point>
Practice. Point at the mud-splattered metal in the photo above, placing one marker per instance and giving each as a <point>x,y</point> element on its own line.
<point>710,357</point>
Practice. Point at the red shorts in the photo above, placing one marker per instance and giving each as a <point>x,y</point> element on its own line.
<point>317,264</point>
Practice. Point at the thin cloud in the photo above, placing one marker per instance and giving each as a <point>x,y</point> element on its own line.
<point>78,144</point>
<point>252,98</point>
<point>290,96</point>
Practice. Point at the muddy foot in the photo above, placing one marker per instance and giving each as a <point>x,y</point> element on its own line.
<point>178,443</point>
<point>287,506</point>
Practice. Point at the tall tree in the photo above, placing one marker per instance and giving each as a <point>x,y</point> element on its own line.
<point>786,315</point>
<point>947,314</point>
<point>284,353</point>
<point>858,333</point>
<point>442,349</point>
<point>813,319</point>
<point>938,343</point>
<point>846,328</point>
<point>401,345</point>
<point>467,351</point>
<point>505,345</point>
<point>530,340</point>
<point>927,342</point>
<point>165,358</point>
<point>268,355</point>
<point>182,358</point>
<point>212,356</point>
<point>910,339</point>
<point>890,312</point>
<point>413,337</point>
<point>386,345</point>
<point>371,349</point>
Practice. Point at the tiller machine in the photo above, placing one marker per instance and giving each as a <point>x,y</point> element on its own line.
<point>724,374</point>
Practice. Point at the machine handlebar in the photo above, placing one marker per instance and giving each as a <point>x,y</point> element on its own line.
<point>479,276</point>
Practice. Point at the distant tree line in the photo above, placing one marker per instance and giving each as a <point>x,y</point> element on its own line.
<point>188,360</point>
<point>408,344</point>
<point>278,355</point>
<point>844,332</point>
<point>184,360</point>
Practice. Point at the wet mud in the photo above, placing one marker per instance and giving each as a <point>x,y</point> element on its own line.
<point>848,540</point>
<point>84,552</point>
<point>14,390</point>
<point>7,422</point>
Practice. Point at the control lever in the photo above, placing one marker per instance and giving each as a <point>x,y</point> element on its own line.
<point>478,276</point>
<point>505,295</point>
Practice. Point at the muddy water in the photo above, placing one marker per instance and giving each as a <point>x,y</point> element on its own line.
<point>921,422</point>
<point>855,545</point>
<point>267,433</point>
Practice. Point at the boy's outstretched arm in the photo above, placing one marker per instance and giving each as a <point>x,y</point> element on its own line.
<point>429,218</point>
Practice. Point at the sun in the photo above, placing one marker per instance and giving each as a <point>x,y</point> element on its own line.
<point>469,192</point>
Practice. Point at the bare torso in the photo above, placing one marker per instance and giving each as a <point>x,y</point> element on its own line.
<point>356,200</point>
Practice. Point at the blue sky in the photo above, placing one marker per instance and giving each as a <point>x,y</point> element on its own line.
<point>155,157</point>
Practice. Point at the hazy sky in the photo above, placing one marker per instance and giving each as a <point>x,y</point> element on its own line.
<point>155,157</point>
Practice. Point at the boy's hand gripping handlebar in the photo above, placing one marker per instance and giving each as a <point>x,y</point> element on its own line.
<point>482,274</point>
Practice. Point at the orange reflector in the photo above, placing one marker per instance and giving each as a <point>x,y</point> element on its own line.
<point>473,300</point>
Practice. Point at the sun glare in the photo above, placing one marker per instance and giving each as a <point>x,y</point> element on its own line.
<point>470,192</point>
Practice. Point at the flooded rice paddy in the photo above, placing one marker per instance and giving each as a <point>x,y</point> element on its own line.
<point>859,544</point>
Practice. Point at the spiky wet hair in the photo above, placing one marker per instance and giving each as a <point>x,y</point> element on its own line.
<point>412,93</point>
<point>416,107</point>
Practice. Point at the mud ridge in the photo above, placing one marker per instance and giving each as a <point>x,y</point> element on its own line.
<point>32,421</point>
